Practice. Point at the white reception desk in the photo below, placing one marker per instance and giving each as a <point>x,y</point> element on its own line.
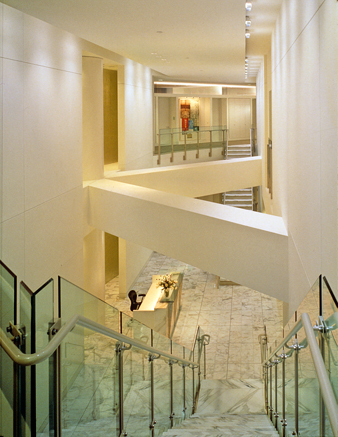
<point>158,311</point>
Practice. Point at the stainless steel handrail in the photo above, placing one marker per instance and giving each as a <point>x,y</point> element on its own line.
<point>282,344</point>
<point>324,382</point>
<point>30,359</point>
<point>323,379</point>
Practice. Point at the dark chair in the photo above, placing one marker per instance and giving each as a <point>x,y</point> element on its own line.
<point>134,305</point>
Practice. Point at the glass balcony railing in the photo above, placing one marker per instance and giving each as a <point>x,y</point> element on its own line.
<point>172,141</point>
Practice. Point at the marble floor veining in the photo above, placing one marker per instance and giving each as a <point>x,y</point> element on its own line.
<point>233,315</point>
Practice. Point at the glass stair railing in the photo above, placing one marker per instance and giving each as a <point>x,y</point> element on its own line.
<point>81,367</point>
<point>84,368</point>
<point>300,375</point>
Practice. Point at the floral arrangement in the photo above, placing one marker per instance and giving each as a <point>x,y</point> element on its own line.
<point>166,283</point>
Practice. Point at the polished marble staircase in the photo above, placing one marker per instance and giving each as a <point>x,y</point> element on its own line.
<point>227,408</point>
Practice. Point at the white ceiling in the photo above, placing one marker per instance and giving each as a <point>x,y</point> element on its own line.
<point>195,40</point>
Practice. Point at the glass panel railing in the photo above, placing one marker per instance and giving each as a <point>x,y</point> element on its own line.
<point>135,329</point>
<point>162,396</point>
<point>8,282</point>
<point>309,395</point>
<point>330,316</point>
<point>42,319</point>
<point>290,391</point>
<point>75,300</point>
<point>189,397</point>
<point>89,395</point>
<point>36,315</point>
<point>136,392</point>
<point>194,139</point>
<point>279,397</point>
<point>178,408</point>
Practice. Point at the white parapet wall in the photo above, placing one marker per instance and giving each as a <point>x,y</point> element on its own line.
<point>244,246</point>
<point>196,180</point>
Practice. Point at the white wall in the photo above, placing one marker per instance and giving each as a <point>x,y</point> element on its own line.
<point>305,137</point>
<point>237,244</point>
<point>135,116</point>
<point>41,221</point>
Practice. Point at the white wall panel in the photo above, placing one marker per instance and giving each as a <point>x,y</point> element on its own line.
<point>53,132</point>
<point>13,34</point>
<point>13,244</point>
<point>305,141</point>
<point>49,46</point>
<point>52,236</point>
<point>196,180</point>
<point>13,139</point>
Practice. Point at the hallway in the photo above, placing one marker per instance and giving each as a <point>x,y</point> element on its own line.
<point>232,315</point>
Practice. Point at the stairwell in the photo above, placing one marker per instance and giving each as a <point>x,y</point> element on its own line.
<point>240,198</point>
<point>227,408</point>
<point>239,151</point>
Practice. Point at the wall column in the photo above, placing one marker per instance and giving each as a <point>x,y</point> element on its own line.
<point>92,113</point>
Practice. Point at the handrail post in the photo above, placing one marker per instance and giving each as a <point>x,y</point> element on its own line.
<point>171,417</point>
<point>193,385</point>
<point>159,149</point>
<point>119,359</point>
<point>184,400</point>
<point>321,345</point>
<point>223,142</point>
<point>284,423</point>
<point>210,152</point>
<point>151,359</point>
<point>296,358</point>
<point>172,147</point>
<point>266,381</point>
<point>185,146</point>
<point>276,415</point>
<point>198,144</point>
<point>271,403</point>
<point>226,144</point>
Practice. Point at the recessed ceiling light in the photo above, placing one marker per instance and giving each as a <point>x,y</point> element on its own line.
<point>247,34</point>
<point>248,6</point>
<point>247,21</point>
<point>203,84</point>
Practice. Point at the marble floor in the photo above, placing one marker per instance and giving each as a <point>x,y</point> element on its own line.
<point>233,315</point>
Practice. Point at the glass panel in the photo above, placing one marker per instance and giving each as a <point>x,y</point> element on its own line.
<point>89,395</point>
<point>290,391</point>
<point>136,392</point>
<point>7,300</point>
<point>188,386</point>
<point>74,300</point>
<point>134,329</point>
<point>161,342</point>
<point>308,393</point>
<point>42,319</point>
<point>331,343</point>
<point>272,389</point>
<point>279,395</point>
<point>162,395</point>
<point>177,370</point>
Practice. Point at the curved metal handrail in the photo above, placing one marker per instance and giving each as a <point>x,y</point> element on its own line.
<point>30,359</point>
<point>324,382</point>
<point>323,379</point>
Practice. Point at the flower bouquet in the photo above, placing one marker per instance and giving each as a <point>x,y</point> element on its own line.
<point>166,282</point>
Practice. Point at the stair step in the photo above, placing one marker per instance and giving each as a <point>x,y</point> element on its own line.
<point>243,425</point>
